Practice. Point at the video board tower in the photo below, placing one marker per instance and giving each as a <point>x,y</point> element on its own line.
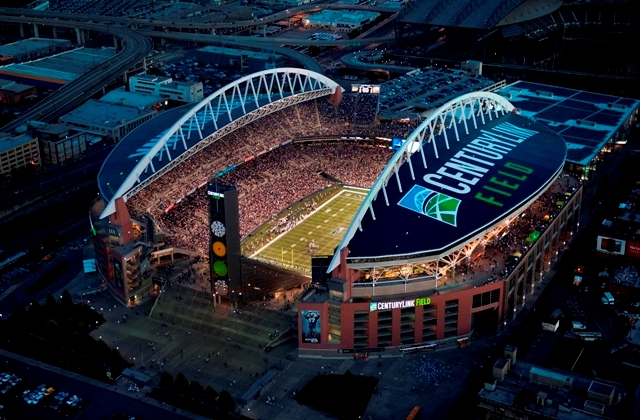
<point>224,242</point>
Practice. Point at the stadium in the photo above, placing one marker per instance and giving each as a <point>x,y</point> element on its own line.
<point>444,237</point>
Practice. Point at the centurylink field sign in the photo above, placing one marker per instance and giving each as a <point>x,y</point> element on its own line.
<point>487,176</point>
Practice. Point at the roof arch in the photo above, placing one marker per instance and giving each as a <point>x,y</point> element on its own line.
<point>157,146</point>
<point>437,134</point>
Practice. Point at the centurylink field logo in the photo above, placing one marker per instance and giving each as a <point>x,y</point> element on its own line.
<point>432,204</point>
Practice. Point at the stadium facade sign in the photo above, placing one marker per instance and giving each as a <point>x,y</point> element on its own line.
<point>412,303</point>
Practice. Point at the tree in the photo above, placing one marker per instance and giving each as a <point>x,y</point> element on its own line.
<point>52,325</point>
<point>226,402</point>
<point>34,306</point>
<point>181,384</point>
<point>196,390</point>
<point>66,299</point>
<point>166,380</point>
<point>210,395</point>
<point>19,312</point>
<point>50,302</point>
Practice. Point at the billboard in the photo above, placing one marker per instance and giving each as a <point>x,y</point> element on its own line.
<point>633,249</point>
<point>375,89</point>
<point>611,245</point>
<point>311,326</point>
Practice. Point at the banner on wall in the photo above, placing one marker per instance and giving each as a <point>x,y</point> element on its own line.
<point>311,326</point>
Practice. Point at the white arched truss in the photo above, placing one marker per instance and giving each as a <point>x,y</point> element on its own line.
<point>229,108</point>
<point>457,116</point>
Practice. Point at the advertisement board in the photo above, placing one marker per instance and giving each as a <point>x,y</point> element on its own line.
<point>633,249</point>
<point>311,326</point>
<point>611,245</point>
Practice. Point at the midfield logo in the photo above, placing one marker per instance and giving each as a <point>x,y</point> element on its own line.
<point>432,204</point>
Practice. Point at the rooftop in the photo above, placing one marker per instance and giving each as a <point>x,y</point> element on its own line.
<point>8,142</point>
<point>342,16</point>
<point>626,276</point>
<point>11,86</point>
<point>134,99</point>
<point>57,67</point>
<point>517,392</point>
<point>30,45</point>
<point>586,121</point>
<point>96,113</point>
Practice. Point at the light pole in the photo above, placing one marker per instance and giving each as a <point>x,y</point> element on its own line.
<point>235,311</point>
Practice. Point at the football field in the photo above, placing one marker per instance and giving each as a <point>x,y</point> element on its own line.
<point>318,234</point>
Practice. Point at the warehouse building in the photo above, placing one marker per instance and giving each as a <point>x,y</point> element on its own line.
<point>33,48</point>
<point>108,120</point>
<point>165,87</point>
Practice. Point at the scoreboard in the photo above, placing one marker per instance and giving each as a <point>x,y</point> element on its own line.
<point>224,234</point>
<point>375,89</point>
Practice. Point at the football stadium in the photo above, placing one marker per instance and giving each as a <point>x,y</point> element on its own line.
<point>280,170</point>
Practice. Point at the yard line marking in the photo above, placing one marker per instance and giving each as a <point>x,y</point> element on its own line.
<point>326,203</point>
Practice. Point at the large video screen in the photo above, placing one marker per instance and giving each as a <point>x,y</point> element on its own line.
<point>374,89</point>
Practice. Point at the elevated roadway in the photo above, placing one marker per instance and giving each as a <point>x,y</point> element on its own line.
<point>186,24</point>
<point>135,47</point>
<point>275,44</point>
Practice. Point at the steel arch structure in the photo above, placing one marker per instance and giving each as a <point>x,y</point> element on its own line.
<point>229,108</point>
<point>471,109</point>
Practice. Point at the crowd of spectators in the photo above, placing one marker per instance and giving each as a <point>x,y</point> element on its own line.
<point>357,109</point>
<point>278,176</point>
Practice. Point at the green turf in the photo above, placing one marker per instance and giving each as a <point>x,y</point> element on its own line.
<point>325,227</point>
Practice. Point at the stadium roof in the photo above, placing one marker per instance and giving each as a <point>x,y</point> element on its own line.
<point>586,121</point>
<point>475,14</point>
<point>449,192</point>
<point>149,149</point>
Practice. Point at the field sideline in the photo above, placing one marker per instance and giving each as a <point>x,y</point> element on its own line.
<point>318,234</point>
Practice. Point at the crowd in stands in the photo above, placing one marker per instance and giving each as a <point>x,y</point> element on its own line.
<point>274,179</point>
<point>360,109</point>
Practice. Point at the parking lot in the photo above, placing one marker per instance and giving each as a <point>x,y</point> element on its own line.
<point>43,400</point>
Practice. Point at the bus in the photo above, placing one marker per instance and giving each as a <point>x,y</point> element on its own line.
<point>414,413</point>
<point>589,336</point>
